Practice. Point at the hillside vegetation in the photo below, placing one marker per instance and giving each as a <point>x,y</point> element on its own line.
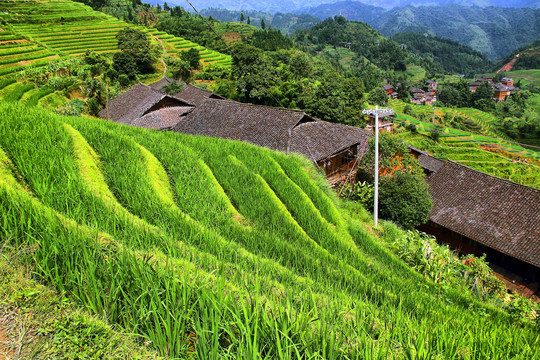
<point>218,249</point>
<point>494,31</point>
<point>446,55</point>
<point>39,32</point>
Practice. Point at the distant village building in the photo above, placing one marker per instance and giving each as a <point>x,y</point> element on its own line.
<point>474,85</point>
<point>507,81</point>
<point>389,89</point>
<point>500,92</point>
<point>432,85</point>
<point>488,79</point>
<point>430,97</point>
<point>385,123</point>
<point>418,96</point>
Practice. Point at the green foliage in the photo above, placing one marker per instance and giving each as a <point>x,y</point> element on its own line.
<point>270,40</point>
<point>173,87</point>
<point>377,96</point>
<point>336,99</point>
<point>403,193</point>
<point>135,56</point>
<point>360,192</point>
<point>441,55</point>
<point>441,265</point>
<point>192,58</point>
<point>363,40</point>
<point>93,106</point>
<point>404,199</point>
<point>73,108</point>
<point>185,25</point>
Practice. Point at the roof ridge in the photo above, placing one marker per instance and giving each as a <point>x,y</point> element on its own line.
<point>493,176</point>
<point>228,101</point>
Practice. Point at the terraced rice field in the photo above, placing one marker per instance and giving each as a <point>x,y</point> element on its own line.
<point>41,31</point>
<point>478,121</point>
<point>214,249</point>
<point>493,156</point>
<point>17,52</point>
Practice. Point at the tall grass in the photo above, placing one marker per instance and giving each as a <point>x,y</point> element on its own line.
<point>215,249</point>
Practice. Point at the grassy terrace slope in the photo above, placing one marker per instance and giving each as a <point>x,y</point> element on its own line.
<point>39,31</point>
<point>220,249</point>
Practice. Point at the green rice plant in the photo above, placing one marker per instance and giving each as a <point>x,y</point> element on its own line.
<point>238,252</point>
<point>18,92</point>
<point>6,82</point>
<point>33,99</point>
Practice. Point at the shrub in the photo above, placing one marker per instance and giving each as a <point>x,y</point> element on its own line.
<point>404,198</point>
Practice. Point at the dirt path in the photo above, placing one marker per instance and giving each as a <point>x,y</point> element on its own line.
<point>508,66</point>
<point>162,55</point>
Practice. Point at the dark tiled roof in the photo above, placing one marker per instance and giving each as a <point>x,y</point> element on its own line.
<point>416,150</point>
<point>507,79</point>
<point>135,102</point>
<point>387,87</point>
<point>260,125</point>
<point>430,163</point>
<point>416,90</point>
<point>196,95</point>
<point>162,119</point>
<point>275,128</point>
<point>500,87</point>
<point>162,82</point>
<point>320,139</point>
<point>498,213</point>
<point>475,83</point>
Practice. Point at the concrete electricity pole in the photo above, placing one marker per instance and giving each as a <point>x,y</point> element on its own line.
<point>376,112</point>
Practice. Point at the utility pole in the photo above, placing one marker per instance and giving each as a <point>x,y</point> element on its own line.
<point>376,112</point>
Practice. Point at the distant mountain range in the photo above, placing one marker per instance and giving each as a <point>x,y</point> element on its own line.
<point>494,31</point>
<point>296,5</point>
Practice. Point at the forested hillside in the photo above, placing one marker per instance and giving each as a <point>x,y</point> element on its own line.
<point>525,58</point>
<point>493,31</point>
<point>451,56</point>
<point>286,22</point>
<point>363,40</point>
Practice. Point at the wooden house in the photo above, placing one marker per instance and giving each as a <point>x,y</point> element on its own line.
<point>476,213</point>
<point>388,88</point>
<point>331,146</point>
<point>500,92</point>
<point>139,102</point>
<point>430,97</point>
<point>507,81</point>
<point>418,95</point>
<point>192,94</point>
<point>385,123</point>
<point>488,79</point>
<point>474,85</point>
<point>432,85</point>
